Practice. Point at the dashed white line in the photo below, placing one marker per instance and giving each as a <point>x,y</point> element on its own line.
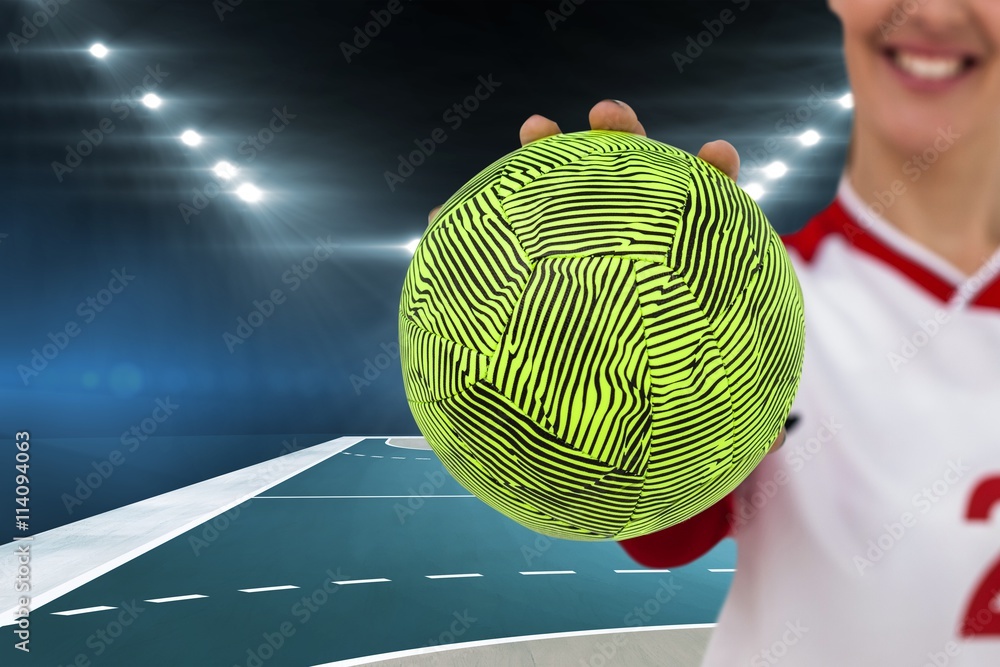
<point>74,612</point>
<point>376,457</point>
<point>266,589</point>
<point>423,458</point>
<point>401,458</point>
<point>359,454</point>
<point>176,599</point>
<point>88,610</point>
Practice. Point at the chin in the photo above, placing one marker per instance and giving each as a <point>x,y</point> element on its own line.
<point>914,131</point>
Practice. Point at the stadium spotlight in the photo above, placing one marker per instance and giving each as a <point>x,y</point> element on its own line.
<point>412,245</point>
<point>775,170</point>
<point>847,101</point>
<point>755,190</point>
<point>152,100</point>
<point>98,50</point>
<point>191,138</point>
<point>248,192</point>
<point>809,138</point>
<point>224,170</point>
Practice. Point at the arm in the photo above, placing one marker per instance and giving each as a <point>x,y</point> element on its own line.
<point>684,542</point>
<point>690,540</point>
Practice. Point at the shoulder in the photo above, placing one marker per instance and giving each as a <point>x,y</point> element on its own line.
<point>831,222</point>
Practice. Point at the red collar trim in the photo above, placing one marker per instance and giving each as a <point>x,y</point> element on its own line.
<point>989,297</point>
<point>835,220</point>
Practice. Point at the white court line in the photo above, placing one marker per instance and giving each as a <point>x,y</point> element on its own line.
<point>722,570</point>
<point>177,598</point>
<point>359,581</point>
<point>266,589</point>
<point>551,572</point>
<point>287,497</point>
<point>638,571</point>
<point>74,612</point>
<point>452,576</point>
<point>407,442</point>
<point>369,659</point>
<point>67,557</point>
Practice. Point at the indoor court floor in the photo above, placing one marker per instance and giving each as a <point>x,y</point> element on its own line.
<point>357,551</point>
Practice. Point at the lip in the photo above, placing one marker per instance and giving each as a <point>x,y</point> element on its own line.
<point>971,63</point>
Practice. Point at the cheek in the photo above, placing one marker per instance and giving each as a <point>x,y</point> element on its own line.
<point>988,18</point>
<point>861,16</point>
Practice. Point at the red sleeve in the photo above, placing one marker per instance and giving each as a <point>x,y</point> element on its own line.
<point>685,542</point>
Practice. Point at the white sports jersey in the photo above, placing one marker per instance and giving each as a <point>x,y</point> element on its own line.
<point>872,538</point>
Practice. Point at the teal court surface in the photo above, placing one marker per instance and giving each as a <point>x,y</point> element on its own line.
<point>371,550</point>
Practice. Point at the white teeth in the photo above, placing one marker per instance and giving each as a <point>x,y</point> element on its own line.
<point>927,67</point>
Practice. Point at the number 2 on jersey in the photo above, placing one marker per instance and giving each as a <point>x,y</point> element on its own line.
<point>982,617</point>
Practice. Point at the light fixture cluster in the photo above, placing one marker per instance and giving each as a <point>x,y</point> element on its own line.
<point>777,169</point>
<point>250,193</point>
<point>224,170</point>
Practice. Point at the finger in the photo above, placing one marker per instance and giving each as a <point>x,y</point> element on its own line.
<point>779,441</point>
<point>722,155</point>
<point>537,127</point>
<point>433,214</point>
<point>615,115</point>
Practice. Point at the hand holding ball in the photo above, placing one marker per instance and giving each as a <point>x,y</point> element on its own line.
<point>601,335</point>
